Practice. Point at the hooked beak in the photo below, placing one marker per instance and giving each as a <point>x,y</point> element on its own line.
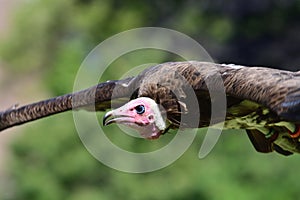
<point>106,117</point>
<point>114,116</point>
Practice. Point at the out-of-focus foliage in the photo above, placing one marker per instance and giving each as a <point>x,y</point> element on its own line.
<point>50,162</point>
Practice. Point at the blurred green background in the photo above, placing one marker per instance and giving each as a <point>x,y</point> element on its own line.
<point>50,38</point>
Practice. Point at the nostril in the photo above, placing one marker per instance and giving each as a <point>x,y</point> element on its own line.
<point>150,117</point>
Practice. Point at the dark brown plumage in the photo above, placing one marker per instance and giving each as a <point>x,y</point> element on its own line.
<point>266,96</point>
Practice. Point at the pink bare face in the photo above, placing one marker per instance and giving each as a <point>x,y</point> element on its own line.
<point>141,114</point>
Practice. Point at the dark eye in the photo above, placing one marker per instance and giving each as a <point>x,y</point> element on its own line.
<point>140,109</point>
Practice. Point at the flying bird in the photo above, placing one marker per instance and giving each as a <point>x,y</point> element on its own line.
<point>263,101</point>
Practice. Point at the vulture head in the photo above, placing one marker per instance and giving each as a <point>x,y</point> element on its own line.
<point>142,114</point>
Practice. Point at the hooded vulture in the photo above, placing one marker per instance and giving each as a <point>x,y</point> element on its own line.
<point>263,101</point>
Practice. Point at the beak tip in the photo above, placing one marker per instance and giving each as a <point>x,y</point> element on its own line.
<point>106,116</point>
<point>105,120</point>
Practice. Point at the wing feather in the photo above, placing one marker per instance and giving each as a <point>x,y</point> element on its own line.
<point>278,90</point>
<point>263,144</point>
<point>259,141</point>
<point>95,98</point>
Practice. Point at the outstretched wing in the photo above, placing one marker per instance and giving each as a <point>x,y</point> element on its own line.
<point>277,90</point>
<point>98,97</point>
